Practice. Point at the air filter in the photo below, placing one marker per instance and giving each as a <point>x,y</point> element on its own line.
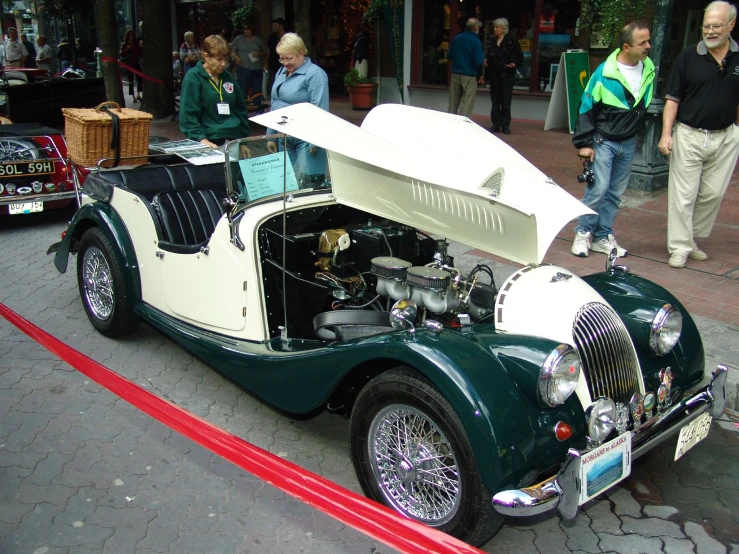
<point>391,268</point>
<point>428,278</point>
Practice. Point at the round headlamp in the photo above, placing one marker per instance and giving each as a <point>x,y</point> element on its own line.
<point>559,375</point>
<point>666,328</point>
<point>601,419</point>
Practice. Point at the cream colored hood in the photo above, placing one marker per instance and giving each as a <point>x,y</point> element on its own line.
<point>439,172</point>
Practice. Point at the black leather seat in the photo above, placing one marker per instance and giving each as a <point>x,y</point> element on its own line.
<point>188,217</point>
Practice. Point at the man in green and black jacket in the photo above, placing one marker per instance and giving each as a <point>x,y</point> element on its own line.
<point>613,110</point>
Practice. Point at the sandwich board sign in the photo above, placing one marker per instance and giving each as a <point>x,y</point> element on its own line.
<point>570,82</point>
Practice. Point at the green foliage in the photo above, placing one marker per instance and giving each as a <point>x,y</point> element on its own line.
<point>374,11</point>
<point>353,78</point>
<point>242,16</point>
<point>612,18</point>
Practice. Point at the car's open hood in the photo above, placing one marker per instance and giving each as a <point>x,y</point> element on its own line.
<point>438,172</point>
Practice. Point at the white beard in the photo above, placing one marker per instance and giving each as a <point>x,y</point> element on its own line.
<point>716,42</point>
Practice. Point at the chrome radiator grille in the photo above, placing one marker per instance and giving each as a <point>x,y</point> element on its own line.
<point>609,362</point>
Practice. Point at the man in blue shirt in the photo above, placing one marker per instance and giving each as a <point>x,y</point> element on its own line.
<point>465,53</point>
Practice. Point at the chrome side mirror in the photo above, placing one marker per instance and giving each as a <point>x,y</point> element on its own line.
<point>403,315</point>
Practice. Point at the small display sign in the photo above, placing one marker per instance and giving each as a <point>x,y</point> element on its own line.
<point>604,466</point>
<point>268,175</point>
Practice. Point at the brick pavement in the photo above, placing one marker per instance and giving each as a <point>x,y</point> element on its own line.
<point>70,452</point>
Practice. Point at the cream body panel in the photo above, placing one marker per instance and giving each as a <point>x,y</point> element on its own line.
<point>207,290</point>
<point>140,226</point>
<point>425,184</point>
<point>518,308</point>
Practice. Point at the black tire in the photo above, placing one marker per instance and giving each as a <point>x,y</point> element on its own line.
<point>107,301</point>
<point>463,504</point>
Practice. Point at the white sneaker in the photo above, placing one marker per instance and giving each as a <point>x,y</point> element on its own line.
<point>606,245</point>
<point>581,245</point>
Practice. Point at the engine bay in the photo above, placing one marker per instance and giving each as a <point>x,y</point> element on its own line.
<point>345,269</point>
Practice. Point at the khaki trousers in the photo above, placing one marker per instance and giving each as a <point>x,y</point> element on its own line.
<point>462,94</point>
<point>701,165</point>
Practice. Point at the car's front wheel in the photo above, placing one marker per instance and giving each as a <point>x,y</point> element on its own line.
<point>107,302</point>
<point>411,453</point>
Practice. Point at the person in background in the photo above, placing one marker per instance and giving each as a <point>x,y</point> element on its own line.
<point>140,42</point>
<point>702,96</point>
<point>176,66</point>
<point>64,54</point>
<point>31,49</point>
<point>504,56</point>
<point>249,53</point>
<point>465,53</point>
<point>189,52</point>
<point>130,55</point>
<point>361,53</point>
<point>612,111</point>
<point>219,32</point>
<point>212,106</point>
<point>300,80</point>
<point>15,51</point>
<point>273,59</point>
<point>44,55</point>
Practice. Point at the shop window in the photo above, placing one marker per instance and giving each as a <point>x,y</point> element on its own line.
<point>434,41</point>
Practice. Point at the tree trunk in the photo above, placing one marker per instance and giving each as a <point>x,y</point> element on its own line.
<point>158,99</point>
<point>109,46</point>
<point>301,12</point>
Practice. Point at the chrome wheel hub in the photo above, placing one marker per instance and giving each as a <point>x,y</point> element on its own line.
<point>97,282</point>
<point>414,465</point>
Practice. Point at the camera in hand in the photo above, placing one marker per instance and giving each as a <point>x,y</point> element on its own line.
<point>587,175</point>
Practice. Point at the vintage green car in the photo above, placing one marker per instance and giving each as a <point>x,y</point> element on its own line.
<point>469,400</point>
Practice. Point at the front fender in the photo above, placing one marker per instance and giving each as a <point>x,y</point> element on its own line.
<point>99,214</point>
<point>636,300</point>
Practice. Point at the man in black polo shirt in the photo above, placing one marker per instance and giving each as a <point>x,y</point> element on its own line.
<point>703,96</point>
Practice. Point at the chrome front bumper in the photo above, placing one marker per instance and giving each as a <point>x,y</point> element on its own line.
<point>562,491</point>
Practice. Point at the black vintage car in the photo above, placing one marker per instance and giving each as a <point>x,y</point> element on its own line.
<point>31,96</point>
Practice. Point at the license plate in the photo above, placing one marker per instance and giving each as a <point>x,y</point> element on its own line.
<point>25,207</point>
<point>692,434</point>
<point>22,169</point>
<point>604,466</point>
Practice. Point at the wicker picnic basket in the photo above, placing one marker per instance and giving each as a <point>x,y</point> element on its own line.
<point>90,134</point>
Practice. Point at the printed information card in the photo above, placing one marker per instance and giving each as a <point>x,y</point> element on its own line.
<point>268,175</point>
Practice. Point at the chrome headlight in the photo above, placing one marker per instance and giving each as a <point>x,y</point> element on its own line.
<point>600,417</point>
<point>558,376</point>
<point>666,328</point>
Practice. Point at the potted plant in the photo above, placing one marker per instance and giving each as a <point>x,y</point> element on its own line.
<point>361,90</point>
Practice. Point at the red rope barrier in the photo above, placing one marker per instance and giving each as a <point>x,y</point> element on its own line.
<point>111,59</point>
<point>354,510</point>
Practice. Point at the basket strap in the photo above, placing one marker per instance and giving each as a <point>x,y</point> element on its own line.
<point>115,141</point>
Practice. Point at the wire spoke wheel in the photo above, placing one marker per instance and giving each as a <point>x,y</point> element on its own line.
<point>415,464</point>
<point>14,150</point>
<point>97,281</point>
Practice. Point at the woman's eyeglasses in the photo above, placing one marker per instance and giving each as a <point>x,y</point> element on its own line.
<point>287,60</point>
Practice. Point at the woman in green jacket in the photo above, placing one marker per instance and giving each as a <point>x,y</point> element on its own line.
<point>212,106</point>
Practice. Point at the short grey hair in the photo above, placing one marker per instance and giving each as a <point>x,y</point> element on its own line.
<point>473,24</point>
<point>718,4</point>
<point>502,22</point>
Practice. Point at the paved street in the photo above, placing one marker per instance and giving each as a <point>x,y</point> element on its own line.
<point>82,471</point>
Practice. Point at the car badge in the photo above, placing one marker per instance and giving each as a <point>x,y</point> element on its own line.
<point>650,400</point>
<point>50,187</point>
<point>2,188</point>
<point>38,186</point>
<point>636,407</point>
<point>621,418</point>
<point>10,189</point>
<point>62,186</point>
<point>24,190</point>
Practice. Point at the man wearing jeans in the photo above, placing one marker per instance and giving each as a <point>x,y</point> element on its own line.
<point>613,110</point>
<point>702,97</point>
<point>467,57</point>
